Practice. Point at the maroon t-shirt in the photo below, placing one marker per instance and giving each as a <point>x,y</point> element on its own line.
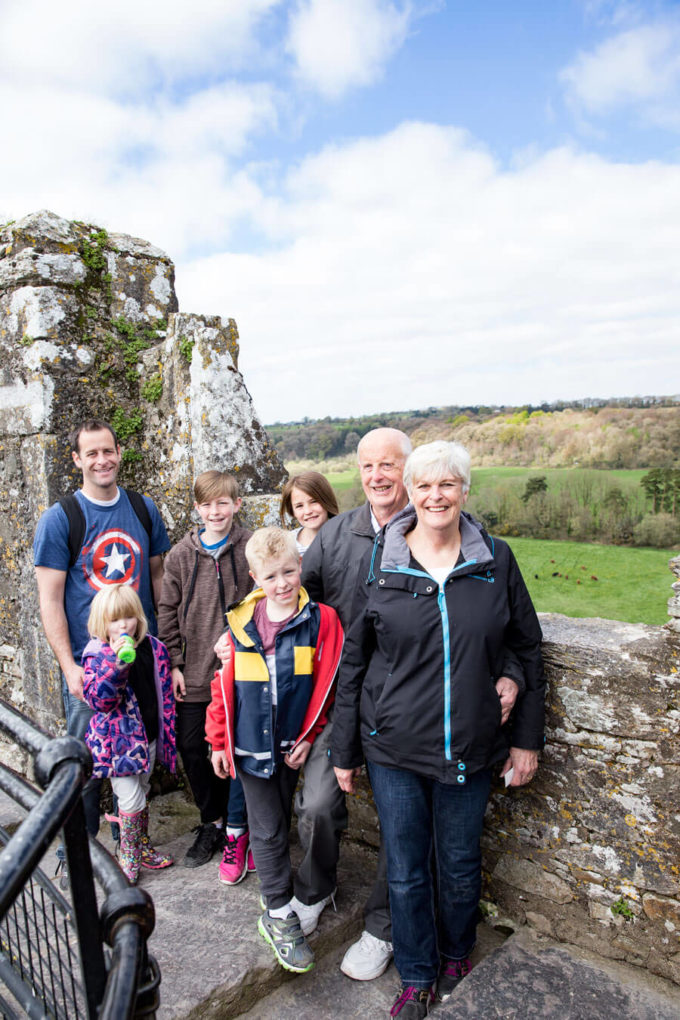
<point>268,629</point>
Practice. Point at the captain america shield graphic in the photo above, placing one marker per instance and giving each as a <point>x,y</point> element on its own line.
<point>114,558</point>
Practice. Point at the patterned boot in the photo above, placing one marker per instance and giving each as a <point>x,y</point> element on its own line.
<point>151,858</point>
<point>131,845</point>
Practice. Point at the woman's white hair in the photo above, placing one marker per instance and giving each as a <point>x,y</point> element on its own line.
<point>434,461</point>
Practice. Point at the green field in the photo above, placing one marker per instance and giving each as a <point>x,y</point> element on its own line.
<point>482,478</point>
<point>627,479</point>
<point>583,579</point>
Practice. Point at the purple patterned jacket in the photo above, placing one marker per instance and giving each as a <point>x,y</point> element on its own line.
<point>116,736</point>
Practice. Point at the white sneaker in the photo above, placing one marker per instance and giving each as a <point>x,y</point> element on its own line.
<point>309,913</point>
<point>368,958</point>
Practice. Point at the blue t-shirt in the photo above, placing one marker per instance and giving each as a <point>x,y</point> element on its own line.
<point>116,550</point>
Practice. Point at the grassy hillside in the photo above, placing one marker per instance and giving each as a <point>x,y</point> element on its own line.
<point>581,579</point>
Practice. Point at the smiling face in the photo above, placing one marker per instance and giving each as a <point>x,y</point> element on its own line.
<point>307,511</point>
<point>98,458</point>
<point>280,581</point>
<point>381,465</point>
<point>438,503</point>
<point>217,516</point>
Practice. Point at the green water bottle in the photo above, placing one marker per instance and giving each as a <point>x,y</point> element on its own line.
<point>127,652</point>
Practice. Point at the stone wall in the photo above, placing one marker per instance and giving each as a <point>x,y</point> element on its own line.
<point>89,327</point>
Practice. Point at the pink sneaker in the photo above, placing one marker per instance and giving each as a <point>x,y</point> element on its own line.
<point>234,866</point>
<point>251,862</point>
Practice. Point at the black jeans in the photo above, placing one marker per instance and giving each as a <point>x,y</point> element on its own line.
<point>215,798</point>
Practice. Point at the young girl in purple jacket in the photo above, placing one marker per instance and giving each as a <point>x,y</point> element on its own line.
<point>128,684</point>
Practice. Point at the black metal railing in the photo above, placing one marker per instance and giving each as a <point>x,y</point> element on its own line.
<point>59,957</point>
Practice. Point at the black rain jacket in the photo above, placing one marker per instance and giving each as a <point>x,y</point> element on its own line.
<point>416,687</point>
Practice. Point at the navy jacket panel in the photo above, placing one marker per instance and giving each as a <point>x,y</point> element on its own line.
<point>266,730</point>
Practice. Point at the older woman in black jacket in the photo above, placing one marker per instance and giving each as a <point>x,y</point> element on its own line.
<point>444,643</point>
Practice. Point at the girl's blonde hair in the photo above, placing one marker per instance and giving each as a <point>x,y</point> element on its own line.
<point>113,603</point>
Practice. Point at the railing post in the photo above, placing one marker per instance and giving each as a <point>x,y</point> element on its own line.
<point>49,762</point>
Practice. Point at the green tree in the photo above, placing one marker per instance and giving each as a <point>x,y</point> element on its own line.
<point>534,486</point>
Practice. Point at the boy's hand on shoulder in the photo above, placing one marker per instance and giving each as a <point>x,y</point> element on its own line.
<point>223,649</point>
<point>296,758</point>
<point>219,764</point>
<point>179,688</point>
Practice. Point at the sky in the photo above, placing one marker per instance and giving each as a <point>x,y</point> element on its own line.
<point>403,203</point>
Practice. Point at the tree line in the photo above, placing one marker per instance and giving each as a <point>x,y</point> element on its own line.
<point>613,435</point>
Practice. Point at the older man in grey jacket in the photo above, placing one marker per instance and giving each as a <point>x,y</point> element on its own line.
<point>329,573</point>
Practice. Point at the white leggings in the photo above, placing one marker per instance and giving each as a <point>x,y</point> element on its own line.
<point>131,791</point>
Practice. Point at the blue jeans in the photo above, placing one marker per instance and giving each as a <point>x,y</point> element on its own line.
<point>78,715</point>
<point>431,832</point>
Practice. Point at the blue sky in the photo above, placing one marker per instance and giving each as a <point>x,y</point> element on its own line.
<point>402,203</point>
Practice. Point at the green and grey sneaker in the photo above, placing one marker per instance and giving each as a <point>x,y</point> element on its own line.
<point>284,935</point>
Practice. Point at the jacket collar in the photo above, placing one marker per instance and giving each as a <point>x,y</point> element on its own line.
<point>242,614</point>
<point>397,555</point>
<point>362,523</point>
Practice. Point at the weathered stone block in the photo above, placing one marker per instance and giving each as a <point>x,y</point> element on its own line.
<point>532,878</point>
<point>661,908</point>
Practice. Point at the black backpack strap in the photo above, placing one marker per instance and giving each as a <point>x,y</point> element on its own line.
<point>141,509</point>
<point>76,525</point>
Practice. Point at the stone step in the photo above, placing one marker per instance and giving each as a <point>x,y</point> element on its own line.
<point>531,976</point>
<point>526,977</point>
<point>325,992</point>
<point>213,961</point>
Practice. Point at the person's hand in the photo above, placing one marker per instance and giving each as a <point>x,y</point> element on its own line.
<point>296,758</point>
<point>219,764</point>
<point>179,688</point>
<point>74,681</point>
<point>222,649</point>
<point>524,763</point>
<point>507,691</point>
<point>346,777</point>
<point>115,644</point>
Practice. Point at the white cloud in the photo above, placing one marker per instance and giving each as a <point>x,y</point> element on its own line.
<point>638,68</point>
<point>412,270</point>
<point>127,46</point>
<point>341,44</point>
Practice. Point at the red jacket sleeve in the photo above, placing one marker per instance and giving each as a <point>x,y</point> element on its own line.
<point>219,720</point>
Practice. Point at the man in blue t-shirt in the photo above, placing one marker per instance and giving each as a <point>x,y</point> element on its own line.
<point>117,549</point>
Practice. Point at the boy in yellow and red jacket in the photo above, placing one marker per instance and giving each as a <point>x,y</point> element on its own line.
<point>269,703</point>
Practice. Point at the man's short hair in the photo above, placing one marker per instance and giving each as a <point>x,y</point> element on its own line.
<point>267,544</point>
<point>395,435</point>
<point>91,425</point>
<point>215,485</point>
